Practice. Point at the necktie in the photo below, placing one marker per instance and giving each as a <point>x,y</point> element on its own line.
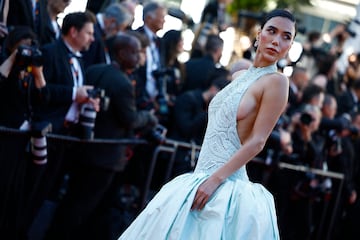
<point>157,42</point>
<point>37,16</point>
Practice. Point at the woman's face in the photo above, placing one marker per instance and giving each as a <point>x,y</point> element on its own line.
<point>275,39</point>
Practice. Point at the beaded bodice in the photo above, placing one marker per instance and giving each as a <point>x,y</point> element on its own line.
<point>221,140</point>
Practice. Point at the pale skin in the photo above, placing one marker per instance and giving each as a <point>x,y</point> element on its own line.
<point>260,107</point>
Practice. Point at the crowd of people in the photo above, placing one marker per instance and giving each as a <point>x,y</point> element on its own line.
<point>94,77</point>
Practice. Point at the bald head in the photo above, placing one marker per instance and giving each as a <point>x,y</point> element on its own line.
<point>126,49</point>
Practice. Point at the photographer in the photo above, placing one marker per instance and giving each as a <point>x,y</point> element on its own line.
<point>92,174</point>
<point>23,95</point>
<point>305,194</point>
<point>64,71</point>
<point>22,81</point>
<point>340,154</point>
<point>169,78</point>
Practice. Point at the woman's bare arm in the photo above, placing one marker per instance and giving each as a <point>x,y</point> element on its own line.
<point>272,104</point>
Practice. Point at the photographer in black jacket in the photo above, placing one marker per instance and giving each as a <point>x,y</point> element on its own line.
<point>22,81</point>
<point>23,94</point>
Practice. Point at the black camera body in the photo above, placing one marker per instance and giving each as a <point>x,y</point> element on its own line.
<point>99,93</point>
<point>162,72</point>
<point>162,77</point>
<point>306,118</point>
<point>156,134</point>
<point>166,79</point>
<point>29,56</point>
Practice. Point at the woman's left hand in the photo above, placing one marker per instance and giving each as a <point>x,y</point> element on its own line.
<point>204,192</point>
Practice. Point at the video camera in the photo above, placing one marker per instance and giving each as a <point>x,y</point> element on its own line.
<point>28,56</point>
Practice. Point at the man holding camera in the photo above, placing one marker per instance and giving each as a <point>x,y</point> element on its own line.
<point>65,73</point>
<point>22,81</point>
<point>91,185</point>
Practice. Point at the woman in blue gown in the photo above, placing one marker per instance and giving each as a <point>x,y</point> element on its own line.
<point>217,200</point>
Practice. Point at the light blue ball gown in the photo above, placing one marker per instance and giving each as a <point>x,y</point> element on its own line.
<point>238,210</point>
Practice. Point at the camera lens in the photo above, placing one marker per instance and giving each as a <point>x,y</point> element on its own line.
<point>39,150</point>
<point>306,118</point>
<point>87,121</point>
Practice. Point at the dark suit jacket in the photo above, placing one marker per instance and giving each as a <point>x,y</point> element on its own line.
<point>293,102</point>
<point>20,13</point>
<point>48,34</point>
<point>346,103</point>
<point>198,72</point>
<point>141,92</point>
<point>58,75</point>
<point>190,117</point>
<point>117,121</point>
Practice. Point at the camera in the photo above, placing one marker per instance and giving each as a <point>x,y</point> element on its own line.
<point>88,113</point>
<point>334,140</point>
<point>99,93</point>
<point>163,76</point>
<point>38,141</point>
<point>306,118</point>
<point>157,134</point>
<point>28,56</point>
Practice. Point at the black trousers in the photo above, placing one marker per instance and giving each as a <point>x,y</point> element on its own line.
<point>85,202</point>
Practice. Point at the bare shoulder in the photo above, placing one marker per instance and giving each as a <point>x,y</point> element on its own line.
<point>276,80</point>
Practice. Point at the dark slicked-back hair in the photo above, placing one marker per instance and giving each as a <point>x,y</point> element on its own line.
<point>77,20</point>
<point>279,13</point>
<point>213,43</point>
<point>17,34</point>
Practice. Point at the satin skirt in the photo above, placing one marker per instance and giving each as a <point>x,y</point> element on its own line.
<point>238,210</point>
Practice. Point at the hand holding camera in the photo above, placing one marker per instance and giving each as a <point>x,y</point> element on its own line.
<point>95,101</point>
<point>83,96</point>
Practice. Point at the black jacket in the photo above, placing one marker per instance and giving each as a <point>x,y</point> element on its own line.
<point>59,79</point>
<point>117,121</point>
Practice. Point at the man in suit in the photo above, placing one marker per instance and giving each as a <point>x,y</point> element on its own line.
<point>64,70</point>
<point>51,28</point>
<point>26,12</point>
<point>91,178</point>
<point>299,79</point>
<point>114,19</point>
<point>32,13</point>
<point>147,86</point>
